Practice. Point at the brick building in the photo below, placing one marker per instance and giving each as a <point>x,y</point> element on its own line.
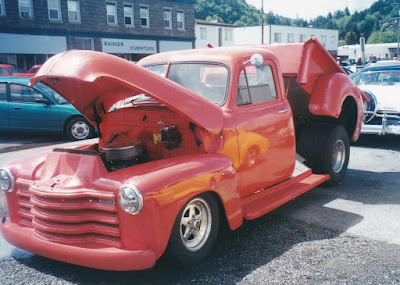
<point>33,30</point>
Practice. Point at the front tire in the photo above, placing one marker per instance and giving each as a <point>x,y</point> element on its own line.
<point>79,129</point>
<point>195,230</point>
<point>326,149</point>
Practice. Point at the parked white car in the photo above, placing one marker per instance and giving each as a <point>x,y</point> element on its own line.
<point>381,83</point>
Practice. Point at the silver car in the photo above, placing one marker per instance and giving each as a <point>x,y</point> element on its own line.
<point>381,83</point>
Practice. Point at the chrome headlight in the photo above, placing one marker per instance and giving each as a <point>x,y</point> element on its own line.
<point>130,199</point>
<point>6,180</point>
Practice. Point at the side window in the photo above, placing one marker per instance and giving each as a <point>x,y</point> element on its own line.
<point>3,92</point>
<point>24,94</point>
<point>256,84</point>
<point>3,71</point>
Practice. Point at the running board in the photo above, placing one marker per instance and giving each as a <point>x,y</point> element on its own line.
<point>268,199</point>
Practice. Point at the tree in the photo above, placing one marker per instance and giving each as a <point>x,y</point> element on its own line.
<point>351,38</point>
<point>382,37</point>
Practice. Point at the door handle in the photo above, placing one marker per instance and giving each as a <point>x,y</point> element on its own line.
<point>283,111</point>
<point>17,108</point>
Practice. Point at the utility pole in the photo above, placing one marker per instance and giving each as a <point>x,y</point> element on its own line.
<point>262,23</point>
<point>398,32</point>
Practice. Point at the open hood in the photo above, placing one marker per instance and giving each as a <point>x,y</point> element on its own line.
<point>94,81</point>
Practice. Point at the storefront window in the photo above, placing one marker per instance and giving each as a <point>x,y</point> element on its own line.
<point>84,43</point>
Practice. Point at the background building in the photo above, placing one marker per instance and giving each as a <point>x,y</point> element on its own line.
<point>286,34</point>
<point>214,33</point>
<point>372,51</point>
<point>33,30</point>
<point>220,34</point>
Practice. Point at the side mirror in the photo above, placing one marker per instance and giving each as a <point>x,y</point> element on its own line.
<point>256,60</point>
<point>43,101</point>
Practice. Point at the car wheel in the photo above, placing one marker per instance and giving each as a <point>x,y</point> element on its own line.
<point>79,129</point>
<point>195,230</point>
<point>326,149</point>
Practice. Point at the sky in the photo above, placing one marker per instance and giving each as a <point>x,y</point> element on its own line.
<point>308,9</point>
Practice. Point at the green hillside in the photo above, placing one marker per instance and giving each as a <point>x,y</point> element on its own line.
<point>376,24</point>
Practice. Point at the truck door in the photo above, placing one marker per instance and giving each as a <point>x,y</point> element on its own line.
<point>264,129</point>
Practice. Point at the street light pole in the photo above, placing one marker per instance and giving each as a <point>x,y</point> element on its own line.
<point>262,22</point>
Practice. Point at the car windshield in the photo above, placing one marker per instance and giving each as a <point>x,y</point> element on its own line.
<point>206,79</point>
<point>53,94</point>
<point>391,77</point>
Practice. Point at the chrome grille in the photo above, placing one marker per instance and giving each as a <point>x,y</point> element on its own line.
<point>83,217</point>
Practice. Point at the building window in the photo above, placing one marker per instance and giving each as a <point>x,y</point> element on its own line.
<point>228,35</point>
<point>74,14</point>
<point>323,40</point>
<point>203,33</point>
<point>277,37</point>
<point>144,16</point>
<point>84,43</point>
<point>180,20</point>
<point>54,10</point>
<point>167,18</point>
<point>290,38</point>
<point>128,15</point>
<point>2,8</point>
<point>25,9</point>
<point>302,38</point>
<point>111,13</point>
<point>333,39</point>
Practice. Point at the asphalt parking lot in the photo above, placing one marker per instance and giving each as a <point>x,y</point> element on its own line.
<point>348,234</point>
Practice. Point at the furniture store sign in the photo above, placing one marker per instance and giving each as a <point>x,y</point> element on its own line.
<point>129,46</point>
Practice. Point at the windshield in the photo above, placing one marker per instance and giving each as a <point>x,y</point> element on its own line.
<point>206,79</point>
<point>158,69</point>
<point>53,94</point>
<point>378,78</point>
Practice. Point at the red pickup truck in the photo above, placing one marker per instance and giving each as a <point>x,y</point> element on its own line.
<point>187,139</point>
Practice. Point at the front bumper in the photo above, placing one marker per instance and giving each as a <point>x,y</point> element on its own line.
<point>99,258</point>
<point>390,125</point>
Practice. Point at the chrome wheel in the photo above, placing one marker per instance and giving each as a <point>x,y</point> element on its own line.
<point>338,156</point>
<point>80,130</point>
<point>195,224</point>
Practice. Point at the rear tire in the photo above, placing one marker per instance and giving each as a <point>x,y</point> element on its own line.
<point>195,231</point>
<point>326,149</point>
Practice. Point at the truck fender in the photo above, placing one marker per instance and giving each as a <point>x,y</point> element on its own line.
<point>330,92</point>
<point>168,185</point>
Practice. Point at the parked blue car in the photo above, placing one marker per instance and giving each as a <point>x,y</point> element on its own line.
<point>39,108</point>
